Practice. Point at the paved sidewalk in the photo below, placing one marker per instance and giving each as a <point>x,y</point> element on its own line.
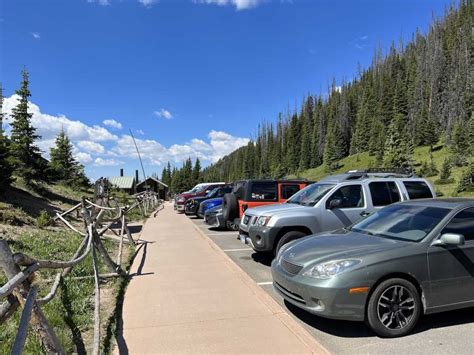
<point>189,297</point>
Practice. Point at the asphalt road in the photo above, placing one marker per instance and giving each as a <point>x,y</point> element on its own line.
<point>443,333</point>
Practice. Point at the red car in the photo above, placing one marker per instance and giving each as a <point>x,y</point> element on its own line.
<point>198,190</point>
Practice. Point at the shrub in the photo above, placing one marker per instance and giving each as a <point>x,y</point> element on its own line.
<point>445,175</point>
<point>43,219</point>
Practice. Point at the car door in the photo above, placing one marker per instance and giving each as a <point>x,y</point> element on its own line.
<point>452,267</point>
<point>351,209</point>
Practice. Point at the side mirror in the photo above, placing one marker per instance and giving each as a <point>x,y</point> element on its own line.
<point>334,203</point>
<point>451,239</point>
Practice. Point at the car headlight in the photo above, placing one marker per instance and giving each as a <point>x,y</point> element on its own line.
<point>331,268</point>
<point>263,220</point>
<point>181,199</point>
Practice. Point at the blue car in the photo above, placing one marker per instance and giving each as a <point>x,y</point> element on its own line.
<point>208,204</point>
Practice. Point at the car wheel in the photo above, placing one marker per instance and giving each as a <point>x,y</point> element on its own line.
<point>394,308</point>
<point>288,237</point>
<point>230,207</point>
<point>232,226</point>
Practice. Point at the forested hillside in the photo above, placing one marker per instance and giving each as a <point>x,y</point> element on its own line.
<point>418,94</point>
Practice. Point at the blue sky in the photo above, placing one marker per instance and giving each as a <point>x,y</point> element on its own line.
<point>189,78</point>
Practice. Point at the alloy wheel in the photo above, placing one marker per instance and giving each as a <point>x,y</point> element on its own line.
<point>396,307</point>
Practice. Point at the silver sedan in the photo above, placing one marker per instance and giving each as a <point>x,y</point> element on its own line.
<point>406,260</point>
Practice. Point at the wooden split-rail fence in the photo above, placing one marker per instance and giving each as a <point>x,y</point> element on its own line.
<point>22,291</point>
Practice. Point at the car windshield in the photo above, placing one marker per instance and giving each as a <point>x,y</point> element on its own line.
<point>310,195</point>
<point>212,193</point>
<point>402,222</point>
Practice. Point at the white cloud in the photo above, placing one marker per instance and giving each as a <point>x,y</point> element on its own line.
<point>147,3</point>
<point>163,113</point>
<point>223,143</point>
<point>100,2</point>
<point>106,162</point>
<point>91,147</point>
<point>239,4</point>
<point>154,153</point>
<point>48,126</point>
<point>112,123</point>
<point>84,158</point>
<point>95,144</point>
<point>140,132</point>
<point>36,35</point>
<point>361,42</point>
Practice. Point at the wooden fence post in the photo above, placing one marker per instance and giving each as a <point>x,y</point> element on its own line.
<point>39,322</point>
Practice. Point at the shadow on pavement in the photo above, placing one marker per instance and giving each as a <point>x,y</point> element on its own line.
<point>263,258</point>
<point>340,328</point>
<point>347,329</point>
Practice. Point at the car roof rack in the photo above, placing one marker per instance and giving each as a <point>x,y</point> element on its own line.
<point>380,173</point>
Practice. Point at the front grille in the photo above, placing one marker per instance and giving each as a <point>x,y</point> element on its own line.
<point>290,268</point>
<point>290,294</point>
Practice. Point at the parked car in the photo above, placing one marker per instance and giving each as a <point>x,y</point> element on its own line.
<point>198,190</point>
<point>253,193</point>
<point>192,205</point>
<point>214,218</point>
<point>403,261</point>
<point>334,202</point>
<point>208,204</point>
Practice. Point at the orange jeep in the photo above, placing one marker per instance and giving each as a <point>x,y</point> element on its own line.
<point>254,193</point>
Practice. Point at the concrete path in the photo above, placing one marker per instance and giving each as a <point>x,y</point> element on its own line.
<point>189,297</point>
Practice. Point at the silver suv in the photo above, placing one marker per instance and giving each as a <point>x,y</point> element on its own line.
<point>335,202</point>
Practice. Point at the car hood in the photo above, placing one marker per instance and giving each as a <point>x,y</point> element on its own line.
<point>324,247</point>
<point>214,200</point>
<point>272,209</point>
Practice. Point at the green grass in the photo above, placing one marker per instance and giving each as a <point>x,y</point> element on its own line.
<point>71,311</point>
<point>421,154</point>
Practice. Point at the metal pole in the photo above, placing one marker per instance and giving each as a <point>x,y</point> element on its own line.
<point>139,156</point>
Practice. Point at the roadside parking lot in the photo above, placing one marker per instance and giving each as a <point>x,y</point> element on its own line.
<point>444,333</point>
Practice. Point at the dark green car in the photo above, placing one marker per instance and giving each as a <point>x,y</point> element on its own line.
<point>403,261</point>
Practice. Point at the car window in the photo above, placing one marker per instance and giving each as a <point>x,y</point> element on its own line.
<point>462,223</point>
<point>224,190</point>
<point>384,193</point>
<point>310,195</point>
<point>417,189</point>
<point>351,196</point>
<point>289,190</point>
<point>264,191</point>
<point>404,222</point>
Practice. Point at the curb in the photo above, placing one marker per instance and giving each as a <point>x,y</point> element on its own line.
<point>297,329</point>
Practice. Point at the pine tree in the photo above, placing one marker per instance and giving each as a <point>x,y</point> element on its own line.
<point>466,183</point>
<point>25,154</point>
<point>397,146</point>
<point>460,146</point>
<point>197,172</point>
<point>333,151</point>
<point>6,169</point>
<point>471,134</point>
<point>445,174</point>
<point>62,164</point>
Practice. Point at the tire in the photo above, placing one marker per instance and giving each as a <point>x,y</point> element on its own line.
<point>286,238</point>
<point>230,207</point>
<point>385,317</point>
<point>230,225</point>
